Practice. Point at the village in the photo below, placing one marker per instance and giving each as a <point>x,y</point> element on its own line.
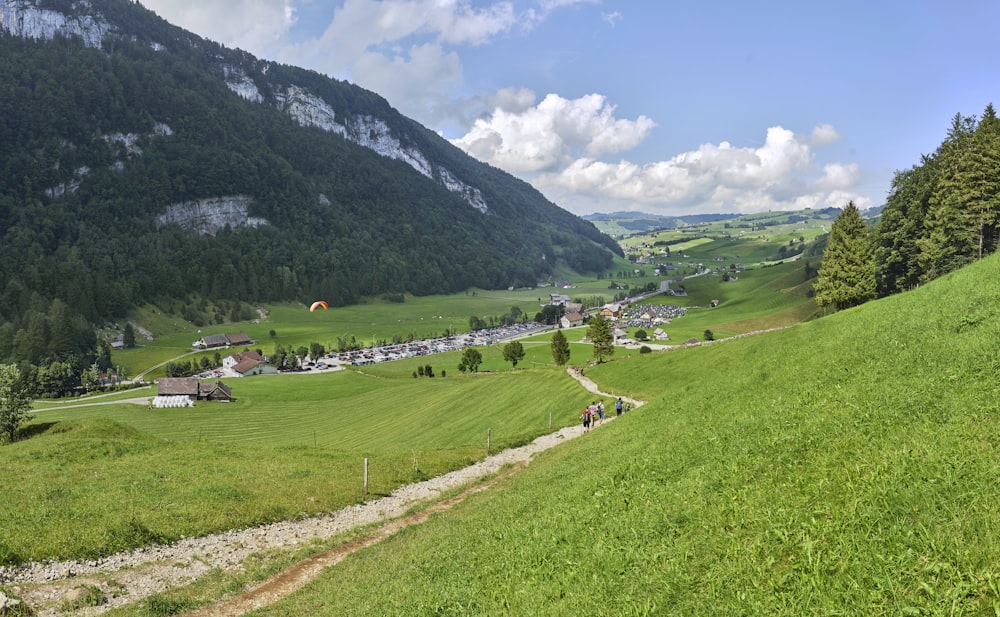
<point>173,392</point>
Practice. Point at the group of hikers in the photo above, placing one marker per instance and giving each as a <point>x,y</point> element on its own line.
<point>593,414</point>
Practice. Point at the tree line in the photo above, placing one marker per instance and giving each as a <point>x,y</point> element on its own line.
<point>940,215</point>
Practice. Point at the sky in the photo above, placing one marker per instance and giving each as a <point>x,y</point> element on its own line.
<point>654,106</point>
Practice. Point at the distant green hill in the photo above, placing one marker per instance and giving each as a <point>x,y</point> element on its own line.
<point>625,224</point>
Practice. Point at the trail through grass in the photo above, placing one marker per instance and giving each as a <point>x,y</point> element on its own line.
<point>844,466</point>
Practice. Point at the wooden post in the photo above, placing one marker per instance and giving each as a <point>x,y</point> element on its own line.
<point>550,420</point>
<point>488,440</point>
<point>366,477</point>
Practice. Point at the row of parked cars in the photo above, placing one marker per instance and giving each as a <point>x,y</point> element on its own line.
<point>398,351</point>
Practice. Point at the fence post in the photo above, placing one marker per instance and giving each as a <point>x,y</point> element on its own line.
<point>550,420</point>
<point>366,477</point>
<point>488,440</point>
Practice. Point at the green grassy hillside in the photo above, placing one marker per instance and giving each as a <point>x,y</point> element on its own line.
<point>844,466</point>
<point>89,480</point>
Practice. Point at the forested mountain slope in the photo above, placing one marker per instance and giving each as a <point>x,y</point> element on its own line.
<point>140,161</point>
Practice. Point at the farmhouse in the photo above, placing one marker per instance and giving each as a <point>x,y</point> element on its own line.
<point>250,366</point>
<point>217,391</point>
<point>660,335</point>
<point>240,338</point>
<point>177,386</point>
<point>619,335</point>
<point>173,391</point>
<point>570,320</point>
<point>223,340</point>
<point>611,311</point>
<point>212,340</point>
<point>236,358</point>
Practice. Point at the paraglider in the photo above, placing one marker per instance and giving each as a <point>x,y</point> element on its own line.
<point>319,304</point>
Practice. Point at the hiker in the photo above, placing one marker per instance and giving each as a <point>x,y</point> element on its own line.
<point>628,406</point>
<point>618,406</point>
<point>585,416</point>
<point>600,411</point>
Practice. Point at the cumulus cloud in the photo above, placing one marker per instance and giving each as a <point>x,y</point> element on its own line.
<point>523,137</point>
<point>839,176</point>
<point>541,144</point>
<point>824,135</point>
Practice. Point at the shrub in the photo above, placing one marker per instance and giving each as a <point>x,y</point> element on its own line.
<point>645,349</point>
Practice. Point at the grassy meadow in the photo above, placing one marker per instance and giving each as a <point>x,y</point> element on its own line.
<point>844,466</point>
<point>94,478</point>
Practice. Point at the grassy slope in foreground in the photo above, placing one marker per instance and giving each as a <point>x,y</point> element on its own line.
<point>844,466</point>
<point>94,480</point>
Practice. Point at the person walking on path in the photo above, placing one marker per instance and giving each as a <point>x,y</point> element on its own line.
<point>585,416</point>
<point>618,406</point>
<point>600,411</point>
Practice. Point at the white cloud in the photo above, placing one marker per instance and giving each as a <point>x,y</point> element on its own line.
<point>540,143</point>
<point>839,176</point>
<point>611,18</point>
<point>824,135</point>
<point>523,137</point>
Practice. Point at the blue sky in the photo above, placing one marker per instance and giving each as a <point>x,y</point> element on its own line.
<point>654,106</point>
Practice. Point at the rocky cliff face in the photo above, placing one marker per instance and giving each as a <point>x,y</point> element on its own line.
<point>208,216</point>
<point>26,19</point>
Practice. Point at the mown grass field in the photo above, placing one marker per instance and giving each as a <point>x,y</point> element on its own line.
<point>844,466</point>
<point>93,479</point>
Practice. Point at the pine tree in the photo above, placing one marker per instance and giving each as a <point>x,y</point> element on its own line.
<point>560,348</point>
<point>128,336</point>
<point>600,336</point>
<point>894,241</point>
<point>981,182</point>
<point>847,274</point>
<point>950,237</point>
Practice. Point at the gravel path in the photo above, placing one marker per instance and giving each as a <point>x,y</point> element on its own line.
<point>126,578</point>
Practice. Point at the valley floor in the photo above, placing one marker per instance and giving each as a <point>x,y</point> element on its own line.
<point>127,578</point>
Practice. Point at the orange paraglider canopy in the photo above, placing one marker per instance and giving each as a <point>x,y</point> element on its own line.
<point>318,304</point>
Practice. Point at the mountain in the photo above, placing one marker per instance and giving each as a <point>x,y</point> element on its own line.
<point>142,162</point>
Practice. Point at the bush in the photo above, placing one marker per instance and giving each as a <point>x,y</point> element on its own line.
<point>645,349</point>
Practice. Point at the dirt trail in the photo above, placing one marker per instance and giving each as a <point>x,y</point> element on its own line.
<point>299,575</point>
<point>130,577</point>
